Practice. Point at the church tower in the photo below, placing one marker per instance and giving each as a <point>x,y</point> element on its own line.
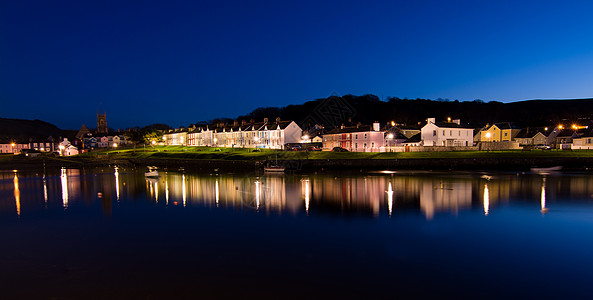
<point>101,122</point>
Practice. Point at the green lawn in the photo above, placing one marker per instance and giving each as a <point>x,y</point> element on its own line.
<point>181,152</point>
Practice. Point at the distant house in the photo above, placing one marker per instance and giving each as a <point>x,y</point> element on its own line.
<point>14,148</point>
<point>359,138</point>
<point>532,136</point>
<point>89,142</point>
<point>395,136</point>
<point>43,145</point>
<point>451,134</point>
<point>564,138</point>
<point>111,141</point>
<point>66,148</point>
<point>414,141</point>
<point>177,137</point>
<point>499,132</point>
<point>584,142</point>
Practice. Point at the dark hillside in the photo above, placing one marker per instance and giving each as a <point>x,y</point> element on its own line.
<point>333,111</point>
<point>18,130</point>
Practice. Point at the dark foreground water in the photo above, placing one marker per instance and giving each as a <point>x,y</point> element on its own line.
<point>113,234</point>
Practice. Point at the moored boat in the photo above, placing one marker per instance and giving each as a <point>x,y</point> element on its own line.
<point>274,169</point>
<point>550,169</point>
<point>152,172</point>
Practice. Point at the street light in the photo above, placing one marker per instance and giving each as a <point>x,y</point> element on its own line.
<point>114,145</point>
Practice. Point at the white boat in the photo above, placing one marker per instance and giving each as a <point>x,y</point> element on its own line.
<point>274,169</point>
<point>550,169</point>
<point>152,172</point>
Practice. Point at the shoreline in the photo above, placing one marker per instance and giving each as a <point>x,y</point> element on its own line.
<point>465,164</point>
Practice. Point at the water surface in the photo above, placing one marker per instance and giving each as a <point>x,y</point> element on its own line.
<point>111,233</point>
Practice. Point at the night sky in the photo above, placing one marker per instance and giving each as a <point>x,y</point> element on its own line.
<point>178,62</point>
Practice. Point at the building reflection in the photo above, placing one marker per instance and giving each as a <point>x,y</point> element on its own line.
<point>64,182</point>
<point>373,195</point>
<point>116,173</point>
<point>543,196</point>
<point>390,198</point>
<point>440,195</point>
<point>486,199</point>
<point>17,194</point>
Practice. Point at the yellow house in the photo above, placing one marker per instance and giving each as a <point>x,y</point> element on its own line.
<point>499,132</point>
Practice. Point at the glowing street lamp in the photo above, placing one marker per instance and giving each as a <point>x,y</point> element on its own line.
<point>114,145</point>
<point>560,126</point>
<point>154,142</point>
<point>390,136</point>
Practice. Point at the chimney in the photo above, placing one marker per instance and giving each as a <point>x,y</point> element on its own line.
<point>457,121</point>
<point>235,123</point>
<point>358,125</point>
<point>431,120</point>
<point>277,119</point>
<point>265,120</point>
<point>243,122</point>
<point>252,121</point>
<point>376,126</point>
<point>342,126</point>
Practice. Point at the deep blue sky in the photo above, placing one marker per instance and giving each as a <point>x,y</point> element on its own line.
<point>178,62</point>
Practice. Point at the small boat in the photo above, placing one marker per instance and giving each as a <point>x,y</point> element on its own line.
<point>550,169</point>
<point>152,172</point>
<point>274,169</point>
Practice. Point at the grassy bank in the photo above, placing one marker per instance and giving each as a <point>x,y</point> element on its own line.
<point>230,160</point>
<point>180,152</point>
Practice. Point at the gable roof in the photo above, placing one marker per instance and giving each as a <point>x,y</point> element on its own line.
<point>351,129</point>
<point>505,125</point>
<point>414,139</point>
<point>451,125</point>
<point>531,132</point>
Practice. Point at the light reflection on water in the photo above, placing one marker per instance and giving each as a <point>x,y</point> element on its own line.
<point>372,194</point>
<point>186,234</point>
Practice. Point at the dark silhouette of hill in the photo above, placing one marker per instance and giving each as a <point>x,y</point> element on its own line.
<point>21,131</point>
<point>334,110</point>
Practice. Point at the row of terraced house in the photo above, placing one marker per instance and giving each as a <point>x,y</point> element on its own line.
<point>449,135</point>
<point>267,134</point>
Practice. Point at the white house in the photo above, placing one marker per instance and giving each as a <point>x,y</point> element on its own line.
<point>451,134</point>
<point>272,135</point>
<point>66,148</point>
<point>584,142</point>
<point>177,138</point>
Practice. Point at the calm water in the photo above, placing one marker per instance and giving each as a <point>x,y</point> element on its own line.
<point>113,234</point>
